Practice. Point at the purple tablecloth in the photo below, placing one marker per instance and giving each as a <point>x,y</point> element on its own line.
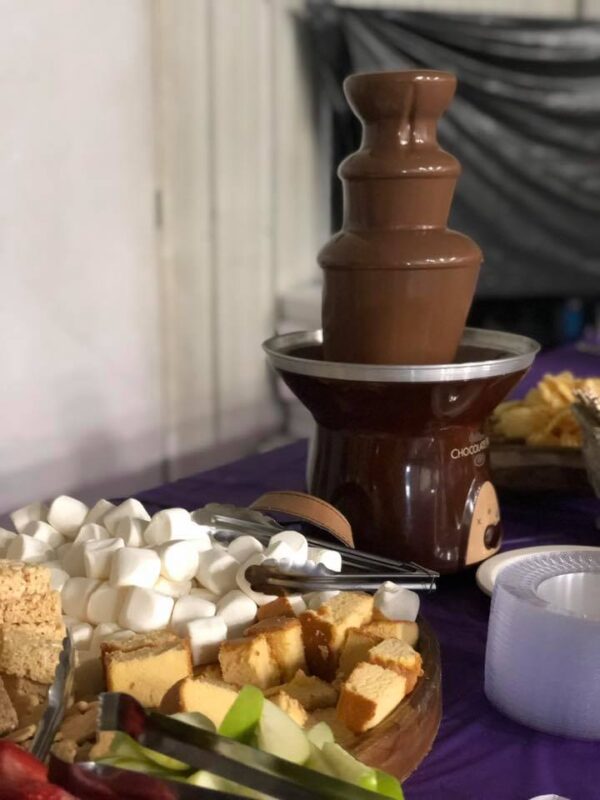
<point>478,754</point>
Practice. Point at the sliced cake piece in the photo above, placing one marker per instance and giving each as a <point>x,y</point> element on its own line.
<point>291,706</point>
<point>160,638</point>
<point>284,636</point>
<point>401,657</point>
<point>18,579</point>
<point>368,695</point>
<point>27,654</point>
<point>249,661</point>
<point>8,714</point>
<point>407,631</point>
<point>210,697</point>
<point>290,606</point>
<point>356,649</point>
<point>311,692</point>
<point>212,671</point>
<point>325,630</point>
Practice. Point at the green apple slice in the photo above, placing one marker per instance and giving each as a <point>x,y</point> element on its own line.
<point>196,719</point>
<point>317,762</point>
<point>281,736</point>
<point>242,719</point>
<point>388,786</point>
<point>123,747</point>
<point>320,734</point>
<point>207,780</point>
<point>349,769</point>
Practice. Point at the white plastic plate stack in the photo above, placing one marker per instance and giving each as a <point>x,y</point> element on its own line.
<point>542,664</point>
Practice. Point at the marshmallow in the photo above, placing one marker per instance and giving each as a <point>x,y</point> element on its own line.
<point>75,596</point>
<point>189,608</point>
<point>34,512</point>
<point>332,559</point>
<point>145,610</point>
<point>315,600</point>
<point>394,602</point>
<point>105,604</point>
<point>238,611</point>
<point>106,630</point>
<point>133,566</point>
<point>66,515</point>
<point>131,530</point>
<point>198,536</point>
<point>178,560</point>
<point>295,541</point>
<point>200,591</point>
<point>280,553</point>
<point>98,556</point>
<point>168,525</point>
<point>25,548</point>
<point>205,637</point>
<point>58,576</point>
<point>97,513</point>
<point>128,508</point>
<point>91,532</point>
<point>6,538</point>
<point>259,598</point>
<point>172,588</point>
<point>72,560</point>
<point>244,547</point>
<point>297,603</point>
<point>217,570</point>
<point>44,533</point>
<point>81,635</point>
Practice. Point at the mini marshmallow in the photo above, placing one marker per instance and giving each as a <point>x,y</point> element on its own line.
<point>128,508</point>
<point>315,600</point>
<point>44,533</point>
<point>6,538</point>
<point>244,547</point>
<point>91,532</point>
<point>281,553</point>
<point>25,548</point>
<point>172,588</point>
<point>145,610</point>
<point>296,542</point>
<point>217,570</point>
<point>98,556</point>
<point>189,608</point>
<point>75,596</point>
<point>168,525</point>
<point>66,514</point>
<point>200,591</point>
<point>72,560</point>
<point>131,530</point>
<point>81,635</point>
<point>58,576</point>
<point>205,637</point>
<point>179,561</point>
<point>34,512</point>
<point>97,513</point>
<point>332,559</point>
<point>238,611</point>
<point>133,566</point>
<point>106,630</point>
<point>259,598</point>
<point>394,602</point>
<point>105,604</point>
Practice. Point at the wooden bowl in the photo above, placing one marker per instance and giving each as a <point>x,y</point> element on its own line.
<point>401,742</point>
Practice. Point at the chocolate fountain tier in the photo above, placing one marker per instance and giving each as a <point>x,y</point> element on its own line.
<point>400,449</point>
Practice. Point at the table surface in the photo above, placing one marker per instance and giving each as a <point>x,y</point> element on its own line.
<point>478,753</point>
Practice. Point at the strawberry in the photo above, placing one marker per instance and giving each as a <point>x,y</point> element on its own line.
<point>17,765</point>
<point>33,790</point>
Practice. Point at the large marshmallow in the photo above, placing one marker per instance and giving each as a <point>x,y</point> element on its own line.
<point>134,566</point>
<point>75,596</point>
<point>199,537</point>
<point>58,576</point>
<point>259,598</point>
<point>179,561</point>
<point>244,547</point>
<point>31,551</point>
<point>172,588</point>
<point>105,604</point>
<point>44,533</point>
<point>200,591</point>
<point>34,512</point>
<point>205,637</point>
<point>238,610</point>
<point>282,554</point>
<point>395,603</point>
<point>332,559</point>
<point>6,538</point>
<point>97,513</point>
<point>315,600</point>
<point>217,570</point>
<point>145,610</point>
<point>189,608</point>
<point>98,556</point>
<point>91,532</point>
<point>81,635</point>
<point>168,525</point>
<point>71,557</point>
<point>128,508</point>
<point>66,515</point>
<point>295,541</point>
<point>131,530</point>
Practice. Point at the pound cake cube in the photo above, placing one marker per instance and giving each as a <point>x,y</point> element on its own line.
<point>325,629</point>
<point>282,607</point>
<point>368,695</point>
<point>385,629</point>
<point>291,707</point>
<point>153,639</point>
<point>356,649</point>
<point>311,692</point>
<point>210,697</point>
<point>250,661</point>
<point>31,609</point>
<point>8,714</point>
<point>212,671</point>
<point>18,579</point>
<point>284,637</point>
<point>147,673</point>
<point>396,655</point>
<point>27,654</point>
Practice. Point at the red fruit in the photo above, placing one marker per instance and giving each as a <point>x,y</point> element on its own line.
<point>33,790</point>
<point>17,765</point>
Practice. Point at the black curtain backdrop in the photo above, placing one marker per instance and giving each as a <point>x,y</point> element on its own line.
<point>525,124</point>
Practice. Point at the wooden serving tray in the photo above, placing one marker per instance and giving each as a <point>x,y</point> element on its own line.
<point>401,742</point>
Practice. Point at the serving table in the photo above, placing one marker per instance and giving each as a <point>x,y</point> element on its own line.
<point>478,753</point>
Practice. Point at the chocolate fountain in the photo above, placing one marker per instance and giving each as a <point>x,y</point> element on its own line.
<point>398,388</point>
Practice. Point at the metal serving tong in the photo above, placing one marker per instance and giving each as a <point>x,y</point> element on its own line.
<point>58,699</point>
<point>203,750</point>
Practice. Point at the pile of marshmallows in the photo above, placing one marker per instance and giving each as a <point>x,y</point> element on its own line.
<point>122,572</point>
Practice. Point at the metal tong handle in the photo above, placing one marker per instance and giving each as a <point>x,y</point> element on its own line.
<point>58,696</point>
